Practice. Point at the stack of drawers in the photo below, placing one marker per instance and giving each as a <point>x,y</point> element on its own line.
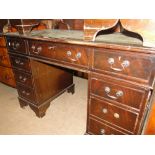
<point>6,73</point>
<point>120,86</point>
<point>37,83</point>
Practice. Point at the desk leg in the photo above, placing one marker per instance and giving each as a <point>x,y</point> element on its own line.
<point>71,89</point>
<point>22,103</point>
<point>40,111</point>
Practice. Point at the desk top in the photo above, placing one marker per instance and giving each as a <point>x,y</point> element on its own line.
<point>77,37</point>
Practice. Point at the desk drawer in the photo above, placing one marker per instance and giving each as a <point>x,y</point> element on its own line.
<point>62,52</point>
<point>2,41</point>
<point>4,57</point>
<point>137,67</point>
<point>23,78</point>
<point>16,45</point>
<point>41,49</point>
<point>115,115</point>
<point>120,92</point>
<point>99,128</point>
<point>26,93</point>
<point>20,62</point>
<point>73,54</point>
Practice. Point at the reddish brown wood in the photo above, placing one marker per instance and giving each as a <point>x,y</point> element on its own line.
<point>6,72</point>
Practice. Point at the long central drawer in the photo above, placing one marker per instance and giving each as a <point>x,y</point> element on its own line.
<point>72,54</point>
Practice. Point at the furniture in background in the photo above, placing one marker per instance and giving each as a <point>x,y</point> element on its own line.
<point>6,73</point>
<point>120,73</point>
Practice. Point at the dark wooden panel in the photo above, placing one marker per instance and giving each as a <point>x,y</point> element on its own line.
<point>98,128</point>
<point>49,80</point>
<point>136,67</point>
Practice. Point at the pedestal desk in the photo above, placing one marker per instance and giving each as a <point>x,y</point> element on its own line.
<point>120,76</point>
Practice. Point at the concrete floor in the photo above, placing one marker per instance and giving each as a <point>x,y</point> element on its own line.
<point>65,116</point>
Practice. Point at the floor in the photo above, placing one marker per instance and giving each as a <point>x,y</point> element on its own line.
<point>65,116</point>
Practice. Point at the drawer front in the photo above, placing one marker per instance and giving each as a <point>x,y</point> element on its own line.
<point>41,49</point>
<point>26,93</point>
<point>110,113</point>
<point>2,41</point>
<point>7,76</point>
<point>99,128</point>
<point>20,63</point>
<point>16,45</point>
<point>4,57</point>
<point>134,66</point>
<point>23,78</point>
<point>62,52</point>
<point>72,54</point>
<point>119,92</point>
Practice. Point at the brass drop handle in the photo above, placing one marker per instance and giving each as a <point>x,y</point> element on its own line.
<point>119,93</point>
<point>124,64</point>
<point>17,61</point>
<point>15,45</point>
<point>102,131</point>
<point>116,115</point>
<point>22,78</point>
<point>39,49</point>
<point>77,56</point>
<point>51,47</point>
<point>25,93</point>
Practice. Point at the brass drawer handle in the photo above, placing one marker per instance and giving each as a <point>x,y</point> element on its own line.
<point>25,93</point>
<point>119,93</point>
<point>19,62</point>
<point>15,45</point>
<point>39,49</point>
<point>102,132</point>
<point>23,79</point>
<point>77,56</point>
<point>124,64</point>
<point>116,115</point>
<point>51,47</point>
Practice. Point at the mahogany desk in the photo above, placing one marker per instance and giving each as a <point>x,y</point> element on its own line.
<point>120,76</point>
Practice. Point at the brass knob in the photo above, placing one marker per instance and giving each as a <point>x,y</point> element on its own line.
<point>78,55</point>
<point>104,110</point>
<point>69,53</point>
<point>116,115</point>
<point>111,61</point>
<point>119,93</point>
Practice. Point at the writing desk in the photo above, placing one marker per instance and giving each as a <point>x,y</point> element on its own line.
<point>120,75</point>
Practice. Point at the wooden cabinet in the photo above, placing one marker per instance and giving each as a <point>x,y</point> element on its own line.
<point>6,73</point>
